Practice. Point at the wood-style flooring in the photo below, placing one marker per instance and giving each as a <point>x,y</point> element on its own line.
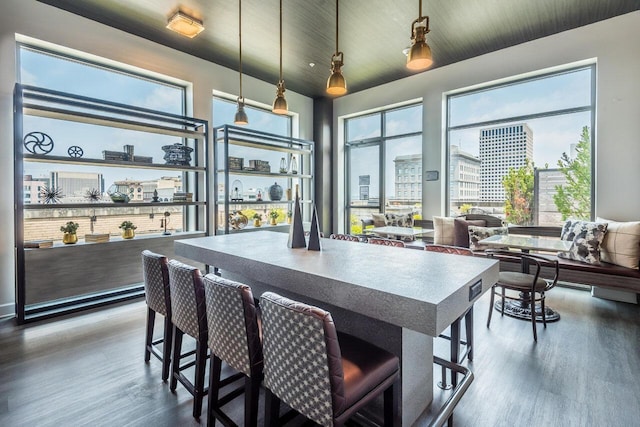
<point>88,370</point>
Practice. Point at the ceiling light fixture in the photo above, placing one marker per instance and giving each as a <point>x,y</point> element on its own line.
<point>241,117</point>
<point>336,84</point>
<point>184,24</point>
<point>280,103</point>
<point>419,57</point>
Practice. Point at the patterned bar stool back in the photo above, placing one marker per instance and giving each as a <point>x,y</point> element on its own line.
<point>305,367</point>
<point>189,316</point>
<point>234,337</point>
<point>386,242</point>
<point>347,237</point>
<point>157,295</point>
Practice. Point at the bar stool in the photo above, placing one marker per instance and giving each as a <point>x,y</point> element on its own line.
<point>189,316</point>
<point>347,237</point>
<point>324,375</point>
<point>157,296</point>
<point>234,337</point>
<point>386,242</point>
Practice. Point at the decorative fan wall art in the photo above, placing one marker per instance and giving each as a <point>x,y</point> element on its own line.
<point>38,143</point>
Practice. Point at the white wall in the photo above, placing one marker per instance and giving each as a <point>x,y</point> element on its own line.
<point>614,43</point>
<point>43,22</point>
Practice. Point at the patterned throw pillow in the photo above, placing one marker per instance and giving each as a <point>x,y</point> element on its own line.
<point>443,230</point>
<point>586,238</point>
<point>379,220</point>
<point>461,230</point>
<point>399,220</point>
<point>477,233</point>
<point>621,243</point>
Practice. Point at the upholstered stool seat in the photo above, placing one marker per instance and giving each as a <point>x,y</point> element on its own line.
<point>323,375</point>
<point>188,308</point>
<point>157,295</point>
<point>521,281</point>
<point>234,337</point>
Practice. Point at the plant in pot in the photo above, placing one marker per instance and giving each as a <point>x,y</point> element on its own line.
<point>128,229</point>
<point>257,220</point>
<point>289,215</point>
<point>273,217</point>
<point>69,229</point>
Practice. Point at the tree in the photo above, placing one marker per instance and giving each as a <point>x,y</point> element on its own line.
<point>573,199</point>
<point>518,189</point>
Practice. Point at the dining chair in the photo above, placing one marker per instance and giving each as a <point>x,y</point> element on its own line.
<point>346,237</point>
<point>386,242</point>
<point>155,275</point>
<point>234,337</point>
<point>527,285</point>
<point>189,316</point>
<point>322,374</point>
<point>455,338</point>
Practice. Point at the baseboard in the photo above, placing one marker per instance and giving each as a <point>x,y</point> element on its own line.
<point>7,310</point>
<point>614,295</point>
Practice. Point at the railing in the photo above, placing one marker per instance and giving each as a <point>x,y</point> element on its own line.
<point>446,411</point>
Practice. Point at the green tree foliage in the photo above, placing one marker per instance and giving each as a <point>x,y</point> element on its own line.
<point>573,199</point>
<point>518,188</point>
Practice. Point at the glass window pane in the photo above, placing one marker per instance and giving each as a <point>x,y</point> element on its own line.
<point>356,215</point>
<point>38,68</point>
<point>549,93</point>
<point>364,188</point>
<point>403,174</point>
<point>403,120</point>
<point>364,127</point>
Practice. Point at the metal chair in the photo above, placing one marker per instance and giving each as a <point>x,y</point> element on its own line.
<point>189,316</point>
<point>324,375</point>
<point>386,242</point>
<point>526,284</point>
<point>157,295</point>
<point>234,337</point>
<point>346,237</point>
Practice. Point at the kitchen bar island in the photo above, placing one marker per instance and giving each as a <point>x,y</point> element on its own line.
<point>395,298</point>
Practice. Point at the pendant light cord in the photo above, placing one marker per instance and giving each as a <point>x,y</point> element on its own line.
<point>280,40</point>
<point>240,39</point>
<point>420,9</point>
<point>337,7</point>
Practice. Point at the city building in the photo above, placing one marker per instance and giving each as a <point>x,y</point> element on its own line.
<point>75,185</point>
<point>408,178</point>
<point>502,148</point>
<point>464,176</point>
<point>32,188</point>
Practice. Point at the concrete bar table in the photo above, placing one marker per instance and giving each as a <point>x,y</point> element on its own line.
<point>395,298</point>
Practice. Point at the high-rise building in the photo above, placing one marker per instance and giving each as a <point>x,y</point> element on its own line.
<point>502,148</point>
<point>408,177</point>
<point>464,177</point>
<point>75,185</point>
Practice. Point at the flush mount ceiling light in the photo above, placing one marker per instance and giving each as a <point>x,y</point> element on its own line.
<point>241,117</point>
<point>184,24</point>
<point>336,84</point>
<point>280,103</point>
<point>419,57</point>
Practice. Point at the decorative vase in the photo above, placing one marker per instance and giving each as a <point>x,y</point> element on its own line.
<point>128,233</point>
<point>238,220</point>
<point>70,238</point>
<point>283,165</point>
<point>177,154</point>
<point>257,223</point>
<point>288,194</point>
<point>288,220</point>
<point>275,192</point>
<point>273,221</point>
<point>294,165</point>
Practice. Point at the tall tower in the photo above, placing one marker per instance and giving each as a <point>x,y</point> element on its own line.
<point>502,148</point>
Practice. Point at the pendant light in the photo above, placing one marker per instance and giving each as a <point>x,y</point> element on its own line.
<point>241,117</point>
<point>336,84</point>
<point>419,57</point>
<point>280,103</point>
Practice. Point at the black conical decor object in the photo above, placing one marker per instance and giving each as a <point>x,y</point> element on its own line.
<point>296,231</point>
<point>314,232</point>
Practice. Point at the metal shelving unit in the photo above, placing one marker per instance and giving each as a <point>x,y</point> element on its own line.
<point>233,141</point>
<point>47,271</point>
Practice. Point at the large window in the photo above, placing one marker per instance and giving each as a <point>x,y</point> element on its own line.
<point>524,150</point>
<point>384,161</point>
<point>224,112</point>
<point>74,75</point>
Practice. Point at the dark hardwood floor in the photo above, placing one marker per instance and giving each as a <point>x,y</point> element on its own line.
<point>88,370</point>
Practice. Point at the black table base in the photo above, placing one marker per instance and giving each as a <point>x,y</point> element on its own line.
<point>521,310</point>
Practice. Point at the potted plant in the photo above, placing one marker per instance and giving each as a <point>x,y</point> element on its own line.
<point>273,217</point>
<point>289,215</point>
<point>128,229</point>
<point>69,229</point>
<point>257,219</point>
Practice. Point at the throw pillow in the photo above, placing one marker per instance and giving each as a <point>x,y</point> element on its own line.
<point>378,220</point>
<point>443,230</point>
<point>461,230</point>
<point>477,233</point>
<point>586,238</point>
<point>399,220</point>
<point>621,243</point>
